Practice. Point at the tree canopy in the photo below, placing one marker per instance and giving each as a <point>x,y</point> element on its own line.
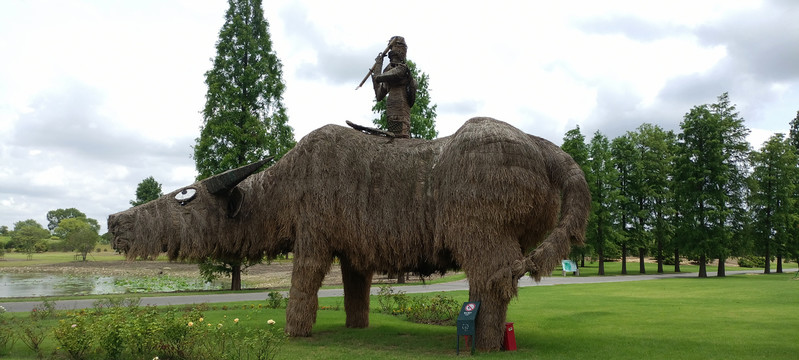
<point>54,217</point>
<point>147,190</point>
<point>26,234</point>
<point>244,119</point>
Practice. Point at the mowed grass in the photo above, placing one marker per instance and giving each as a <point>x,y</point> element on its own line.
<point>737,317</point>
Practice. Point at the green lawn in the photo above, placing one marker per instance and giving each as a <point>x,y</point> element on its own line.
<point>737,317</point>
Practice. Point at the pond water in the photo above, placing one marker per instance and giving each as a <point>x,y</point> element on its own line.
<point>33,285</point>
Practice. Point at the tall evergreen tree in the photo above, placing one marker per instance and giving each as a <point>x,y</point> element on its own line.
<point>710,181</point>
<point>793,134</point>
<point>574,145</point>
<point>736,158</point>
<point>423,115</point>
<point>602,181</point>
<point>244,119</point>
<point>625,161</point>
<point>147,190</point>
<point>656,148</point>
<point>772,202</point>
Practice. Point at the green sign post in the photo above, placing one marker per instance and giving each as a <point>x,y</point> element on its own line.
<point>465,324</point>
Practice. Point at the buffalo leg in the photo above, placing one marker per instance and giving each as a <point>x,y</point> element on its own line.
<point>356,295</point>
<point>306,279</point>
<point>492,283</point>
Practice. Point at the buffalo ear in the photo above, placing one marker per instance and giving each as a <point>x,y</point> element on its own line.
<point>234,201</point>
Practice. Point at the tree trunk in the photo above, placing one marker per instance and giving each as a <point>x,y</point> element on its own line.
<point>235,275</point>
<point>401,277</point>
<point>722,271</point>
<point>624,258</point>
<point>660,256</point>
<point>702,266</point>
<point>582,259</point>
<point>779,263</point>
<point>601,255</point>
<point>641,264</point>
<point>676,260</point>
<point>767,269</point>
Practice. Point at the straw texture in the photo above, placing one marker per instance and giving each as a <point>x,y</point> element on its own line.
<point>489,199</point>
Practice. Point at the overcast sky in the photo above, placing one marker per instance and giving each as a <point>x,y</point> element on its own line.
<point>95,96</point>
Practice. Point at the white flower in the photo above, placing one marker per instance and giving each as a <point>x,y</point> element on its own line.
<point>2,309</point>
<point>271,322</point>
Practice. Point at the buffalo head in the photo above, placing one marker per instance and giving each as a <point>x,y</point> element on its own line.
<point>187,223</point>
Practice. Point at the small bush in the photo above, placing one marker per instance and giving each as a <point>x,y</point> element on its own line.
<point>45,310</point>
<point>439,309</point>
<point>752,261</point>
<point>74,336</point>
<point>33,334</point>
<point>40,246</point>
<point>7,338</point>
<point>276,300</point>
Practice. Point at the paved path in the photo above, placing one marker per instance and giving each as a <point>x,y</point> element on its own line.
<point>450,286</point>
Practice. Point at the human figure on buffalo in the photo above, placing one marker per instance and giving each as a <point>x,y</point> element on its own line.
<point>489,199</point>
<point>396,82</point>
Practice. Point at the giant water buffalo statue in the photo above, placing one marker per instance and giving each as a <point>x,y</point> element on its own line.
<point>489,199</point>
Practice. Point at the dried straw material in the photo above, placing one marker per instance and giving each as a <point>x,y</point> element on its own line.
<point>489,199</point>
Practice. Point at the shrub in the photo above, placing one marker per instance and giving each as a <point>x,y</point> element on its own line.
<point>391,301</point>
<point>276,300</point>
<point>58,245</point>
<point>45,310</point>
<point>40,246</point>
<point>439,309</point>
<point>228,339</point>
<point>140,331</point>
<point>33,333</point>
<point>74,336</point>
<point>7,338</point>
<point>752,261</point>
<point>109,331</point>
<point>668,260</point>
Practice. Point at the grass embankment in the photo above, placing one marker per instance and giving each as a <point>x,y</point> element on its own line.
<point>737,317</point>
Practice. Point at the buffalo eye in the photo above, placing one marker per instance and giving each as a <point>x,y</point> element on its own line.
<point>186,195</point>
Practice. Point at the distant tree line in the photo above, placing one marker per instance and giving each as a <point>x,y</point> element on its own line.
<point>67,230</point>
<point>701,194</point>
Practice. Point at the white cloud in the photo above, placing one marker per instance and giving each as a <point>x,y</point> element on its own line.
<point>95,96</point>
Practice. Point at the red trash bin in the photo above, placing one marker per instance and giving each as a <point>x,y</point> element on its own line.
<point>509,342</point>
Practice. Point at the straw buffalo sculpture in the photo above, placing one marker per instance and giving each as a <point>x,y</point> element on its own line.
<point>489,199</point>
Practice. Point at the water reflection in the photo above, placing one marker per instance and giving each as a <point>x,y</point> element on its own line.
<point>34,285</point>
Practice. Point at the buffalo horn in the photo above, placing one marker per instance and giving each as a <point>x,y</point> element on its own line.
<point>227,180</point>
